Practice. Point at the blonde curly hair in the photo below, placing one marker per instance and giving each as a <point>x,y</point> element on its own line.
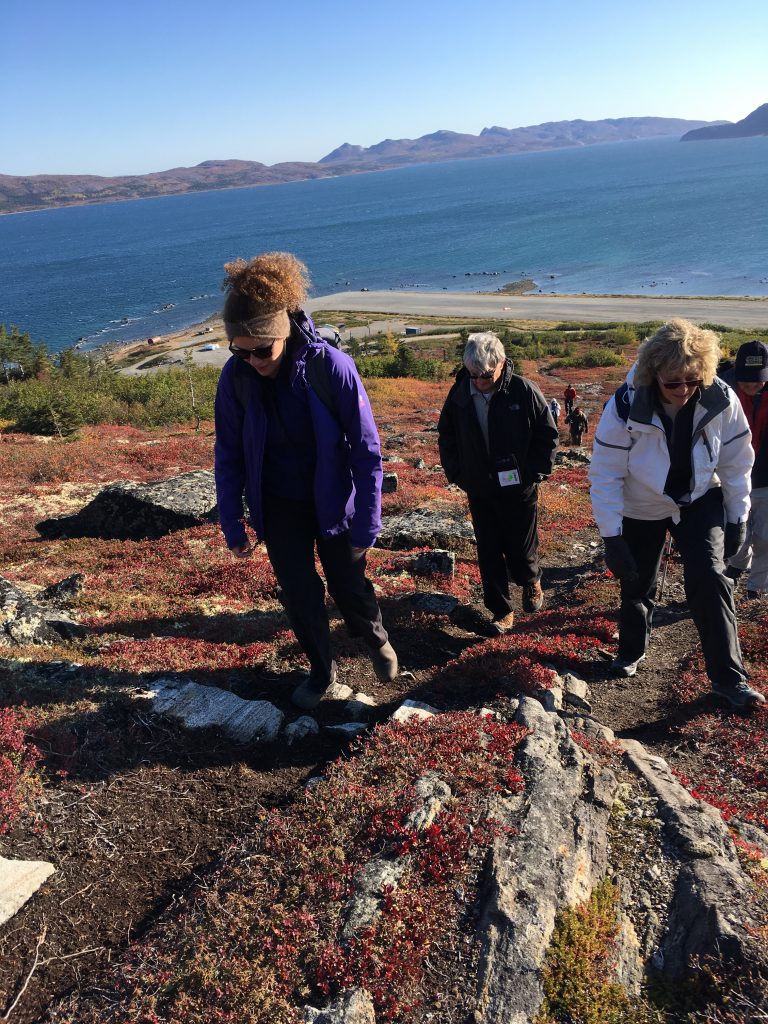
<point>677,349</point>
<point>265,284</point>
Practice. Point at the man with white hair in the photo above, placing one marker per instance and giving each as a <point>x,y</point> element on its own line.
<point>497,441</point>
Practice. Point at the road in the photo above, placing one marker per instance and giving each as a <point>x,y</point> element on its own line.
<point>738,312</point>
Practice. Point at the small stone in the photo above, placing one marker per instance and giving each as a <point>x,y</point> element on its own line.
<point>300,729</point>
<point>413,709</point>
<point>348,729</point>
<point>389,483</point>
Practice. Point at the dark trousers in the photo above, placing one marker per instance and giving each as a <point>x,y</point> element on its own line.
<point>290,534</point>
<point>507,543</point>
<point>568,406</point>
<point>699,541</point>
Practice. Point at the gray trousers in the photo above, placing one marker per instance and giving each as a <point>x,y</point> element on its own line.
<point>753,555</point>
<point>699,541</point>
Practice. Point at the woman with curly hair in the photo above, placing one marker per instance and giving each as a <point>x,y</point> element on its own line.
<point>296,435</point>
<point>672,453</point>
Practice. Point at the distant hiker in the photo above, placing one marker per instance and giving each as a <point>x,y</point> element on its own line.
<point>294,429</point>
<point>578,425</point>
<point>569,396</point>
<point>497,439</point>
<point>554,408</point>
<point>672,453</point>
<point>748,377</point>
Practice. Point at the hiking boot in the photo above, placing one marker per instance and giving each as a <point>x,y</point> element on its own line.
<point>756,595</point>
<point>739,695</point>
<point>626,667</point>
<point>533,597</point>
<point>308,694</point>
<point>503,624</point>
<point>384,661</point>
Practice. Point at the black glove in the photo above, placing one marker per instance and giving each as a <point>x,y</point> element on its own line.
<point>619,559</point>
<point>735,535</point>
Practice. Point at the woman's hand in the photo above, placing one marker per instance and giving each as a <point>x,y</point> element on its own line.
<point>358,553</point>
<point>244,551</point>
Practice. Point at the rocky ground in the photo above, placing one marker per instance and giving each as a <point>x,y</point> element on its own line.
<point>136,811</point>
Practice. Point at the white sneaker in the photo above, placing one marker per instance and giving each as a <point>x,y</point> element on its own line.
<point>625,667</point>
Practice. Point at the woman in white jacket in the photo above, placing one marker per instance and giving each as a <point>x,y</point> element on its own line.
<point>672,453</point>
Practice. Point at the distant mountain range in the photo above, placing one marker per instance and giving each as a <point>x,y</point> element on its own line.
<point>755,123</point>
<point>43,191</point>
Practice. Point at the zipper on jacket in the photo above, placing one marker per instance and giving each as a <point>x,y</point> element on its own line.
<point>707,445</point>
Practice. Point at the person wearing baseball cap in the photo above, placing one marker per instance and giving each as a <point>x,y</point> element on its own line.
<point>749,379</point>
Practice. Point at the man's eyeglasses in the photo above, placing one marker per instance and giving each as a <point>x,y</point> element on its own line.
<point>483,376</point>
<point>263,352</point>
<point>676,385</point>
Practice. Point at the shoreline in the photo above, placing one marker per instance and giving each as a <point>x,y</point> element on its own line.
<point>385,307</point>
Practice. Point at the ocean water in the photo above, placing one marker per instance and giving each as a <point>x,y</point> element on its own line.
<point>651,217</point>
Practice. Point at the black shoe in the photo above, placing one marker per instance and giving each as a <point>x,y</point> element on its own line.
<point>625,666</point>
<point>756,595</point>
<point>739,695</point>
<point>308,694</point>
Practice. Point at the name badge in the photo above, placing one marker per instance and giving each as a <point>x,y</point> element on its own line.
<point>509,477</point>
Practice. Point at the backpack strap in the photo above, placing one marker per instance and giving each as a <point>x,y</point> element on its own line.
<point>318,380</point>
<point>623,402</point>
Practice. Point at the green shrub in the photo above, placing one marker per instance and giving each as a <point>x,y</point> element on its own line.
<point>591,360</point>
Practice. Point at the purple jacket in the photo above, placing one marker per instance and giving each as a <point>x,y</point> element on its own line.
<point>348,477</point>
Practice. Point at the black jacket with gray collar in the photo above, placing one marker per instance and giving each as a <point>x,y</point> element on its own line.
<point>519,424</point>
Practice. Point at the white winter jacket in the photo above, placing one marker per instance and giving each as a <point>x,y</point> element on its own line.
<point>630,457</point>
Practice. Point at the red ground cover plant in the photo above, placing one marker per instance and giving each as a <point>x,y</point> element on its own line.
<point>264,935</point>
<point>736,745</point>
<point>564,506</point>
<point>562,639</point>
<point>19,759</point>
<point>181,654</point>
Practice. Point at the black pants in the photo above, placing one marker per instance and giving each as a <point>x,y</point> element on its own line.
<point>507,543</point>
<point>568,406</point>
<point>699,540</point>
<point>290,534</point>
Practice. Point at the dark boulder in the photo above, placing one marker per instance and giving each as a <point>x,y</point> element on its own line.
<point>64,591</point>
<point>21,620</point>
<point>132,511</point>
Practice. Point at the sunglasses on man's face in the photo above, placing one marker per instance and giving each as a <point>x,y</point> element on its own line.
<point>263,352</point>
<point>676,385</point>
<point>482,376</point>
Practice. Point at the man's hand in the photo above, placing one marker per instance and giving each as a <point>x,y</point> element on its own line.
<point>735,535</point>
<point>244,551</point>
<point>620,560</point>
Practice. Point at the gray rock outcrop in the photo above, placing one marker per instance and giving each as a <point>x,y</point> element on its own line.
<point>22,621</point>
<point>556,858</point>
<point>134,511</point>
<point>202,707</point>
<point>425,528</point>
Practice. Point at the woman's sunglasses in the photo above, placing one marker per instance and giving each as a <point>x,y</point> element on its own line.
<point>263,352</point>
<point>676,385</point>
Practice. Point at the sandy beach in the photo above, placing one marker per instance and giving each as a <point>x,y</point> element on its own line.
<point>391,310</point>
<point>732,312</point>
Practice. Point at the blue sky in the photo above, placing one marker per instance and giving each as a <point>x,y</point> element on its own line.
<point>112,87</point>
